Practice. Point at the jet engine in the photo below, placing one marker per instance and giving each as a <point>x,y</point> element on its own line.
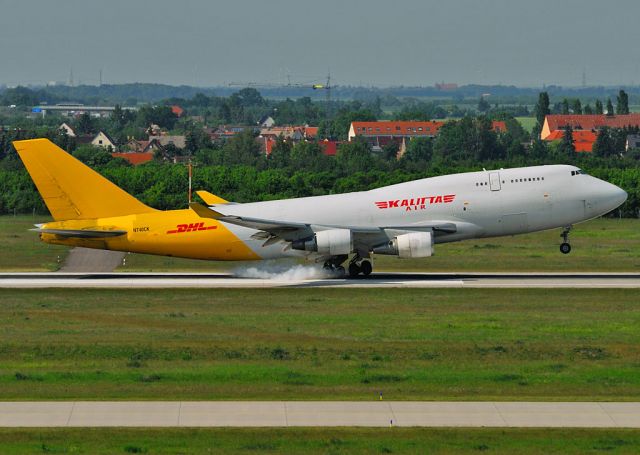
<point>412,245</point>
<point>332,242</point>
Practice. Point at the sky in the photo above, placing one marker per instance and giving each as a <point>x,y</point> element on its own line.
<point>204,43</point>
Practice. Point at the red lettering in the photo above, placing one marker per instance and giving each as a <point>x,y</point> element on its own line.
<point>449,198</point>
<point>393,203</point>
<point>423,207</point>
<point>438,199</point>
<point>408,209</point>
<point>404,203</point>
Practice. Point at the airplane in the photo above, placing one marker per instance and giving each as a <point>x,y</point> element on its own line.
<point>405,220</point>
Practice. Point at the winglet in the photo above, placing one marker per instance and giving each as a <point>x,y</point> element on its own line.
<point>205,212</point>
<point>210,199</point>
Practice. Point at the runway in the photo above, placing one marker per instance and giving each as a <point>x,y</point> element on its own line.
<point>319,414</point>
<point>376,280</point>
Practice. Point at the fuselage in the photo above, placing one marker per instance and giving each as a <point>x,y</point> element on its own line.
<point>481,204</point>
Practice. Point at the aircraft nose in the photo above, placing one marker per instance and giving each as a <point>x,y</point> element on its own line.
<point>615,196</point>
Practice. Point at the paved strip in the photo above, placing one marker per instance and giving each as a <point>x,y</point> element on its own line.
<point>319,414</point>
<point>376,280</point>
<point>90,260</point>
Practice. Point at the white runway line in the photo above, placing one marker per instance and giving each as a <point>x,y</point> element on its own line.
<point>320,414</point>
<point>377,280</point>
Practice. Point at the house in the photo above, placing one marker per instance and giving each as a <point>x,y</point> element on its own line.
<point>633,142</point>
<point>557,122</point>
<point>266,121</point>
<point>177,111</point>
<point>136,146</point>
<point>379,134</point>
<point>164,140</point>
<point>102,139</point>
<point>135,158</point>
<point>582,140</point>
<point>394,129</point>
<point>67,129</point>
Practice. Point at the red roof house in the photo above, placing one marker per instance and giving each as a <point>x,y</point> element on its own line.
<point>587,122</point>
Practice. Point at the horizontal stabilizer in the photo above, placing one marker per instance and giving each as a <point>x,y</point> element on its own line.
<point>210,199</point>
<point>81,233</point>
<point>205,212</point>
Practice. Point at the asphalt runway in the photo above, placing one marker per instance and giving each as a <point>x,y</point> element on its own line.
<point>319,414</point>
<point>376,280</point>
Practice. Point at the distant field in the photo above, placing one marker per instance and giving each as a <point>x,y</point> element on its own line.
<point>326,344</point>
<point>527,123</point>
<point>599,245</point>
<point>318,441</point>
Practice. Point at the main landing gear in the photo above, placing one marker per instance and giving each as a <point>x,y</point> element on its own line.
<point>565,247</point>
<point>359,265</point>
<point>333,265</point>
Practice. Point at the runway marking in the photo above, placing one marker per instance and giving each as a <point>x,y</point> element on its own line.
<point>377,280</point>
<point>320,414</point>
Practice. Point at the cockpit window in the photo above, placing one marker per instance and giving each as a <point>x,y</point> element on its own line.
<point>578,172</point>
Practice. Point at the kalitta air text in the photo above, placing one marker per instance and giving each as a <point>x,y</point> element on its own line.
<point>416,203</point>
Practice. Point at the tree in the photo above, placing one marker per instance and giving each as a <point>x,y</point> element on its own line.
<point>419,149</point>
<point>603,146</point>
<point>483,105</point>
<point>564,106</point>
<point>85,124</point>
<point>588,110</point>
<point>609,107</point>
<point>542,108</point>
<point>622,106</point>
<point>599,110</point>
<point>568,144</point>
<point>354,156</point>
<point>576,106</point>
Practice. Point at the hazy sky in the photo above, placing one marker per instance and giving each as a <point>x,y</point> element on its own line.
<point>373,42</point>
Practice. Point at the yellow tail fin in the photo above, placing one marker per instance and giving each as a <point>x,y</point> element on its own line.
<point>70,189</point>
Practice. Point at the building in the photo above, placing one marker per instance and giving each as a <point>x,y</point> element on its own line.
<point>102,139</point>
<point>582,140</point>
<point>177,111</point>
<point>164,140</point>
<point>557,122</point>
<point>379,134</point>
<point>266,121</point>
<point>633,142</point>
<point>68,130</point>
<point>135,158</point>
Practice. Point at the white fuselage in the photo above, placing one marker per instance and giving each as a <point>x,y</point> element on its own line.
<point>480,204</point>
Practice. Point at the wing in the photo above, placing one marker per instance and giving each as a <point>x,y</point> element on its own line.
<point>363,237</point>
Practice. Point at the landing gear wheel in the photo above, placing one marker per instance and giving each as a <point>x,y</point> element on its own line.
<point>340,270</point>
<point>366,268</point>
<point>354,270</point>
<point>565,248</point>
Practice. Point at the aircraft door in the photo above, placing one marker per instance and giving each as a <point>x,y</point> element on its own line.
<point>494,181</point>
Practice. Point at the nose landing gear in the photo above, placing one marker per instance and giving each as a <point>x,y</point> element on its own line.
<point>565,247</point>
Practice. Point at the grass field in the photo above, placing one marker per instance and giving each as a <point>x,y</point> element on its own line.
<point>599,245</point>
<point>433,344</point>
<point>22,250</point>
<point>527,123</point>
<point>318,441</point>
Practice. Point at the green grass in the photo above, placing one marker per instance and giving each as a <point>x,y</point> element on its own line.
<point>527,123</point>
<point>319,441</point>
<point>425,344</point>
<point>22,250</point>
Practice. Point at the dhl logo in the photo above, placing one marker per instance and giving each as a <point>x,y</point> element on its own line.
<point>417,203</point>
<point>180,228</point>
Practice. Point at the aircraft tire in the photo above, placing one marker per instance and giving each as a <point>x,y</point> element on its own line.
<point>366,268</point>
<point>565,248</point>
<point>354,270</point>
